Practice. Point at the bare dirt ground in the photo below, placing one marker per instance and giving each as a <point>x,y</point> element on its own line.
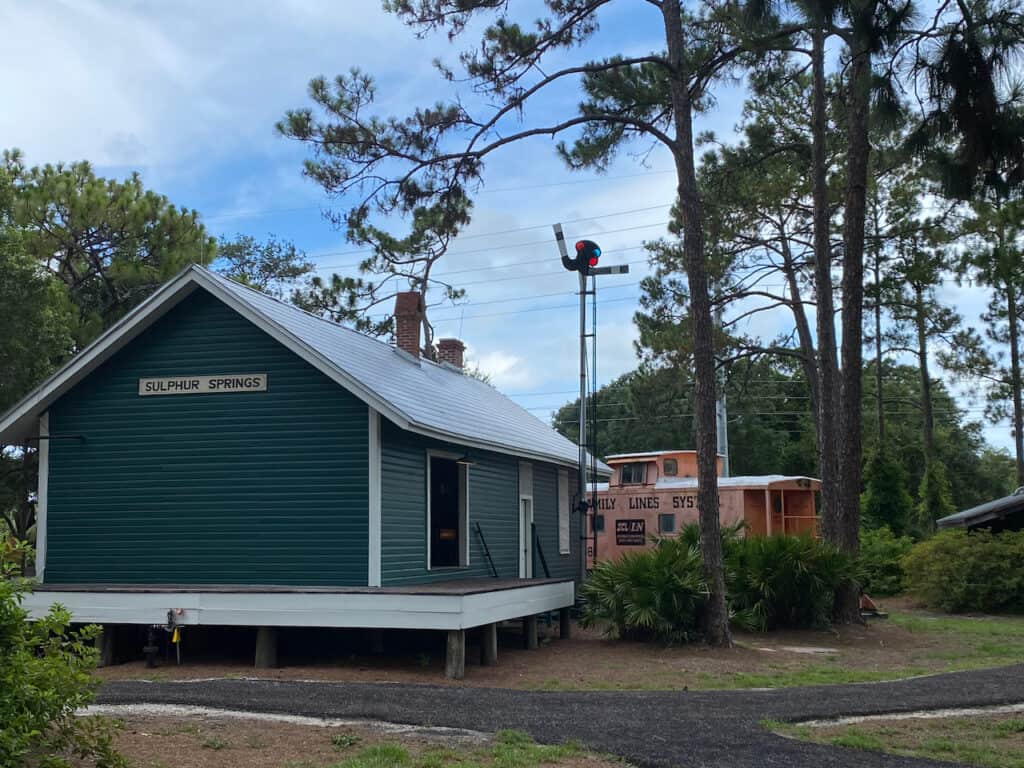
<point>910,643</point>
<point>205,741</point>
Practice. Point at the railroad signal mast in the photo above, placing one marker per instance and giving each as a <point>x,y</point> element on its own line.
<point>587,256</point>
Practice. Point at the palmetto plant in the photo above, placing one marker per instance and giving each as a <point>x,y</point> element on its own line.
<point>658,594</point>
<point>785,581</point>
<point>771,582</point>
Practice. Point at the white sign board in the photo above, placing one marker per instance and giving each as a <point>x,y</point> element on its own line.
<point>203,385</point>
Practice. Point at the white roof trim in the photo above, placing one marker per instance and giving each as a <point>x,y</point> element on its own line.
<point>20,422</point>
<point>13,426</point>
<point>651,454</point>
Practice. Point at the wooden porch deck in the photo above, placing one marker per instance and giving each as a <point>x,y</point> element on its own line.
<point>454,587</point>
<point>453,606</point>
<point>447,605</point>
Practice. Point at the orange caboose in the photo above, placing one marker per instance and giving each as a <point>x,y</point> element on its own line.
<point>655,494</point>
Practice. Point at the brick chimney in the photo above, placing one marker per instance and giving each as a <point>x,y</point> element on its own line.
<point>408,319</point>
<point>450,351</point>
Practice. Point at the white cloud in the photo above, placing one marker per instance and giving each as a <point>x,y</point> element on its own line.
<point>506,371</point>
<point>153,84</point>
<point>188,94</point>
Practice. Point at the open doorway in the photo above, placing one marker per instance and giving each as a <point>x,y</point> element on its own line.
<point>447,512</point>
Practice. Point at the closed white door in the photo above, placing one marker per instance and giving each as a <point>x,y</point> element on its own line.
<point>526,538</point>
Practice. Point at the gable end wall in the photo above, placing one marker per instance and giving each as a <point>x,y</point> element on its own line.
<point>242,488</point>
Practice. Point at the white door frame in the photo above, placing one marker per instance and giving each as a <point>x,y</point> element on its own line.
<point>526,537</point>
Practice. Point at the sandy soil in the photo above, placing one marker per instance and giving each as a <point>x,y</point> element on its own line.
<point>205,741</point>
<point>590,661</point>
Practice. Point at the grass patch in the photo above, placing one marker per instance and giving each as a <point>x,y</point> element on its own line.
<point>983,626</point>
<point>510,749</point>
<point>857,739</point>
<point>341,741</point>
<point>815,675</point>
<point>215,743</point>
<point>988,741</point>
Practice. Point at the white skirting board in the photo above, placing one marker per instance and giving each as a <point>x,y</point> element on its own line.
<point>365,610</point>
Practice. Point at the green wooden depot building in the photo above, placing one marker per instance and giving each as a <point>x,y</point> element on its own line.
<point>219,457</point>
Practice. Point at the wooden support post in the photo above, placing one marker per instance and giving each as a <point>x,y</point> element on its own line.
<point>266,648</point>
<point>564,624</point>
<point>105,645</point>
<point>377,642</point>
<point>455,659</point>
<point>489,646</point>
<point>530,632</point>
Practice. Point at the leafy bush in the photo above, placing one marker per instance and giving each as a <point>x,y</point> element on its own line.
<point>784,581</point>
<point>880,563</point>
<point>956,571</point>
<point>659,594</point>
<point>44,679</point>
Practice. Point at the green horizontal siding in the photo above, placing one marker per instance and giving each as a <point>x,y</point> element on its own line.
<point>493,503</point>
<point>545,519</point>
<point>240,488</point>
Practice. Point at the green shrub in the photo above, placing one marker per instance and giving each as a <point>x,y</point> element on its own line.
<point>880,563</point>
<point>660,594</point>
<point>657,594</point>
<point>784,581</point>
<point>956,571</point>
<point>44,679</point>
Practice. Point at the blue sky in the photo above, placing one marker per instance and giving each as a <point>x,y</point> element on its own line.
<point>187,94</point>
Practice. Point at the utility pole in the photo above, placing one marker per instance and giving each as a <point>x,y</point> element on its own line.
<point>722,411</point>
<point>588,253</point>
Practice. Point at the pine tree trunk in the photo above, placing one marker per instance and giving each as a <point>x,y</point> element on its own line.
<point>846,530</point>
<point>827,362</point>
<point>1015,382</point>
<point>705,424</point>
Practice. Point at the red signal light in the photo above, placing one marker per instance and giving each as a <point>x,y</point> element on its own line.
<point>587,255</point>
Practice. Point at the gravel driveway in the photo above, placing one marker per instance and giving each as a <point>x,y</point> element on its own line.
<point>667,728</point>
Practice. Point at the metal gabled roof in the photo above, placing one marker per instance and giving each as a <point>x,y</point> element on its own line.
<point>996,509</point>
<point>418,395</point>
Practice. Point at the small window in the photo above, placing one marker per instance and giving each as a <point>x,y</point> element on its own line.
<point>667,523</point>
<point>671,467</point>
<point>633,474</point>
<point>597,523</point>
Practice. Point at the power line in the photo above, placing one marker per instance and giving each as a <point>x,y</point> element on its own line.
<point>513,277</point>
<point>535,296</point>
<point>538,274</point>
<point>533,309</point>
<point>256,212</point>
<point>546,241</point>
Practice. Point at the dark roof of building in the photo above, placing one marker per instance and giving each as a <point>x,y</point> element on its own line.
<point>998,509</point>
